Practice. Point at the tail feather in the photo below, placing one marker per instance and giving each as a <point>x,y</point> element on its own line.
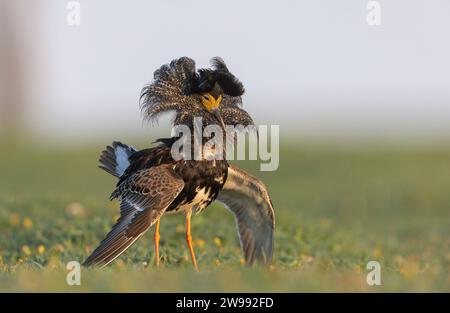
<point>115,158</point>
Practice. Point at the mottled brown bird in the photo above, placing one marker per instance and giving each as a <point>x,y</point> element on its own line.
<point>152,183</point>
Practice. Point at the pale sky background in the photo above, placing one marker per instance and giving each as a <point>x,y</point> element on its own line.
<point>314,67</point>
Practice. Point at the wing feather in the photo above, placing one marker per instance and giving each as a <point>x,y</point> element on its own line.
<point>248,199</point>
<point>144,197</point>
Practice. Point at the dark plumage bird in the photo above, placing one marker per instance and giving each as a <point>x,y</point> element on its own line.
<point>152,183</point>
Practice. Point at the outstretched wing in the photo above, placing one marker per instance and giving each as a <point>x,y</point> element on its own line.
<point>170,89</point>
<point>247,197</point>
<point>144,197</point>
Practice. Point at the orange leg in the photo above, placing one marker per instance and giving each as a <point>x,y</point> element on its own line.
<point>156,239</point>
<point>189,240</point>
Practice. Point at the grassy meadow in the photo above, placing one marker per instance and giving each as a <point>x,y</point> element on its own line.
<point>336,209</point>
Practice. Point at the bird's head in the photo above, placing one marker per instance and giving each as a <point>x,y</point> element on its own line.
<point>213,84</point>
<point>180,87</point>
<point>211,102</point>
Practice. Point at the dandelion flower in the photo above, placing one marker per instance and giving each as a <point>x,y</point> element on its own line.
<point>26,250</point>
<point>199,243</point>
<point>41,249</point>
<point>217,241</point>
<point>27,223</point>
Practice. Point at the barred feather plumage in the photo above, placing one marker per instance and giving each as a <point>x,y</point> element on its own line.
<point>176,87</point>
<point>170,89</point>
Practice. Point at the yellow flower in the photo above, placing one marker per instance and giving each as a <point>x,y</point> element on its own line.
<point>41,249</point>
<point>217,241</point>
<point>199,243</point>
<point>376,253</point>
<point>410,268</point>
<point>27,223</point>
<point>14,219</point>
<point>242,261</point>
<point>26,250</point>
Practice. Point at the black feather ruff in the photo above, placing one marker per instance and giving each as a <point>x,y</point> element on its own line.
<point>218,80</point>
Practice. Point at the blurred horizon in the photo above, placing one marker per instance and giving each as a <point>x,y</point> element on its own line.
<point>314,68</point>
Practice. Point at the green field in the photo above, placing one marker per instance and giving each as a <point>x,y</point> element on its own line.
<point>336,209</point>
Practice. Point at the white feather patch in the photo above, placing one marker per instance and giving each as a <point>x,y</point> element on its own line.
<point>121,159</point>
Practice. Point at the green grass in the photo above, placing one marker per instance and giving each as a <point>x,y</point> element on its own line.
<point>336,209</point>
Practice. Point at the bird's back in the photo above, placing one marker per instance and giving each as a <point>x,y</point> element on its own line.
<point>203,179</point>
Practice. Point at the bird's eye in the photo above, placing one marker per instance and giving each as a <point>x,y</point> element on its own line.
<point>205,97</point>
